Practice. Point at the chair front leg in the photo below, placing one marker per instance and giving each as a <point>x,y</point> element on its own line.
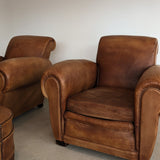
<point>53,90</point>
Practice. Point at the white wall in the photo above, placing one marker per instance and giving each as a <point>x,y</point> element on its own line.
<point>77,25</point>
<point>4,26</point>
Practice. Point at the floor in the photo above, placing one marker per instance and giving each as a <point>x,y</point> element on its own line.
<point>34,141</point>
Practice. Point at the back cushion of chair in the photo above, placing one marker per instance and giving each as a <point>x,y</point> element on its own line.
<point>30,46</point>
<point>121,60</point>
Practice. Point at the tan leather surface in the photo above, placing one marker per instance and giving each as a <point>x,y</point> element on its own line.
<point>30,46</point>
<point>22,99</point>
<point>84,131</point>
<point>149,79</point>
<point>20,72</point>
<point>7,148</point>
<point>6,128</point>
<point>6,125</point>
<point>5,114</point>
<point>99,116</point>
<point>122,59</point>
<point>111,133</point>
<point>60,79</point>
<point>52,87</point>
<point>6,134</point>
<point>104,102</point>
<point>28,70</point>
<point>73,76</point>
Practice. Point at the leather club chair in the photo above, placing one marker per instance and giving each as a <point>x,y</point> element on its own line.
<point>111,106</point>
<point>21,70</point>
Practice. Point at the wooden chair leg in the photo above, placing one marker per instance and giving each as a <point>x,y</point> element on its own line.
<point>61,143</point>
<point>40,105</point>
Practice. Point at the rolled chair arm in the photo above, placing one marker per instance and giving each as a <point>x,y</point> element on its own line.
<point>148,81</point>
<point>150,78</point>
<point>30,46</point>
<point>61,81</point>
<point>73,76</point>
<point>18,72</point>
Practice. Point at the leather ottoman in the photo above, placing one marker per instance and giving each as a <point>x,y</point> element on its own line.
<point>6,134</point>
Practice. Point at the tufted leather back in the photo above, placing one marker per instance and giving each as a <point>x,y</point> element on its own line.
<point>30,46</point>
<point>121,60</point>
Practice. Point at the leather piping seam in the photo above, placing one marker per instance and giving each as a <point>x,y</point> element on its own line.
<point>1,150</point>
<point>46,78</point>
<point>97,59</point>
<point>100,126</point>
<point>7,119</point>
<point>2,143</point>
<point>8,134</point>
<point>154,49</point>
<point>99,117</point>
<point>45,46</point>
<point>11,117</point>
<point>53,76</point>
<point>5,80</point>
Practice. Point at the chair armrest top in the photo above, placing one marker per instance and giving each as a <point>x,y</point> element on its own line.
<point>18,72</point>
<point>150,78</point>
<point>72,75</point>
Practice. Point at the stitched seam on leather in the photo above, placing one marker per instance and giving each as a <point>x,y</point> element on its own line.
<point>1,150</point>
<point>45,46</point>
<point>50,76</point>
<point>11,133</point>
<point>7,119</point>
<point>98,126</point>
<point>154,49</point>
<point>8,134</point>
<point>97,59</point>
<point>43,81</point>
<point>0,132</point>
<point>1,125</point>
<point>5,80</point>
<point>53,76</point>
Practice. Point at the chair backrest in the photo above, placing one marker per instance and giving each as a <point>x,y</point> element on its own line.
<point>30,46</point>
<point>121,60</point>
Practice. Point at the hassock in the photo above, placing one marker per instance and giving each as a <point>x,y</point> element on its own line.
<point>6,134</point>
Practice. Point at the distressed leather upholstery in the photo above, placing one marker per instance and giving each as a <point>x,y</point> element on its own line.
<point>6,132</point>
<point>21,70</point>
<point>30,46</point>
<point>31,70</point>
<point>124,60</point>
<point>112,105</point>
<point>109,103</point>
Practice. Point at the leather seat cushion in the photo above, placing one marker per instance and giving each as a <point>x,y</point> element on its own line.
<point>104,102</point>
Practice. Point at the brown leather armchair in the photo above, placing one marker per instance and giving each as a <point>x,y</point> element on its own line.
<point>21,69</point>
<point>111,106</point>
